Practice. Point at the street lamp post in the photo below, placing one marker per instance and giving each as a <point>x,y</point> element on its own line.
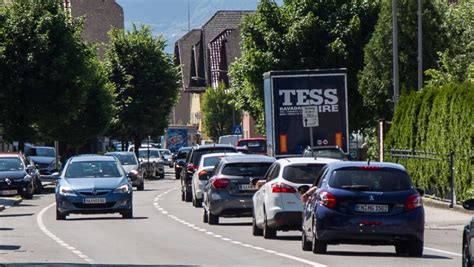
<point>420,46</point>
<point>396,87</point>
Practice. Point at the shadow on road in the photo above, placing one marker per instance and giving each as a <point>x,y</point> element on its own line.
<point>236,224</point>
<point>17,215</point>
<point>25,205</point>
<point>78,265</point>
<point>9,247</point>
<point>381,254</point>
<point>6,229</point>
<point>104,218</point>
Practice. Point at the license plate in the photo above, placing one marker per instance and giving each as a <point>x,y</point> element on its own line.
<point>371,208</point>
<point>247,187</point>
<point>8,192</point>
<point>94,200</point>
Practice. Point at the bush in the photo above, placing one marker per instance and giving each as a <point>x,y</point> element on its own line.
<point>437,120</point>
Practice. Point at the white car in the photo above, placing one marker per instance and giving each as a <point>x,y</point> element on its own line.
<point>167,157</point>
<point>203,173</point>
<point>152,162</point>
<point>277,204</point>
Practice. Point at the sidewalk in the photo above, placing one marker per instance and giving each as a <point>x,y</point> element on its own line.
<point>439,216</point>
<point>6,202</point>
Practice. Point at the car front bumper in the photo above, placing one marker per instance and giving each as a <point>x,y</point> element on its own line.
<point>115,202</point>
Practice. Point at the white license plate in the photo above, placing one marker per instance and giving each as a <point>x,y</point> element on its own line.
<point>94,200</point>
<point>8,192</point>
<point>247,187</point>
<point>371,208</point>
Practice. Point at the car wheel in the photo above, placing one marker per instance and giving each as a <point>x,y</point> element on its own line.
<point>176,176</point>
<point>39,187</point>
<point>318,246</point>
<point>466,258</point>
<point>401,248</point>
<point>27,195</point>
<point>188,196</point>
<point>204,216</point>
<point>60,216</point>
<point>212,219</point>
<point>141,187</point>
<point>182,195</point>
<point>128,214</point>
<point>255,230</point>
<point>162,176</point>
<point>268,233</point>
<point>305,244</point>
<point>415,249</point>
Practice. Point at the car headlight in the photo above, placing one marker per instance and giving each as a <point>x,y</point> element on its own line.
<point>27,178</point>
<point>122,189</point>
<point>66,191</point>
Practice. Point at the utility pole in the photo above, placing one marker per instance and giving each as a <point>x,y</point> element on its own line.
<point>396,87</point>
<point>420,45</point>
<point>189,18</point>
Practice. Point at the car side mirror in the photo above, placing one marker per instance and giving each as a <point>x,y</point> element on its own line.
<point>303,189</point>
<point>420,191</point>
<point>468,204</point>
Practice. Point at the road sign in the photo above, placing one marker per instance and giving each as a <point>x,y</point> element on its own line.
<point>237,129</point>
<point>310,116</point>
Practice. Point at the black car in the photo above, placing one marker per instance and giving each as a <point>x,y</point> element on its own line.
<point>333,152</point>
<point>44,159</point>
<point>362,203</point>
<point>180,159</point>
<point>16,177</point>
<point>191,165</point>
<point>468,238</point>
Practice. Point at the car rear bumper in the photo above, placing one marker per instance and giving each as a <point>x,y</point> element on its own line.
<point>227,205</point>
<point>75,204</point>
<point>286,220</point>
<point>336,227</point>
<point>18,186</point>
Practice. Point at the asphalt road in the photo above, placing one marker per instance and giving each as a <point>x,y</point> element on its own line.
<point>167,231</point>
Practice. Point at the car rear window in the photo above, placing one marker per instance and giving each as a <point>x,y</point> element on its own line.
<point>253,169</point>
<point>197,154</point>
<point>302,173</point>
<point>254,145</point>
<point>374,179</point>
<point>212,161</point>
<point>325,153</point>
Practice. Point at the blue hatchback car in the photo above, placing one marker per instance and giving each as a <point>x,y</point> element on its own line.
<point>364,203</point>
<point>94,184</point>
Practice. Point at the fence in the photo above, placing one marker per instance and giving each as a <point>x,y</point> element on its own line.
<point>409,157</point>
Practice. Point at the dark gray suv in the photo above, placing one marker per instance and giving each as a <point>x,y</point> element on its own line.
<point>229,192</point>
<point>191,165</point>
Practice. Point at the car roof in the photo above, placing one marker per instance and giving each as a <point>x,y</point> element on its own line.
<point>220,154</point>
<point>299,160</point>
<point>148,148</point>
<point>185,148</point>
<point>344,164</point>
<point>87,158</point>
<point>249,158</point>
<point>198,147</point>
<point>253,139</point>
<point>9,154</point>
<point>48,147</point>
<point>119,153</point>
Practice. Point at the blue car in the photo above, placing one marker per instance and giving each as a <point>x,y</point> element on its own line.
<point>94,184</point>
<point>364,203</point>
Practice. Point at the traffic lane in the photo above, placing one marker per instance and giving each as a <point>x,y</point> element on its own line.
<point>21,241</point>
<point>290,242</point>
<point>150,238</point>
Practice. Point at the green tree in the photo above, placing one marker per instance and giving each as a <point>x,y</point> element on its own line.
<point>302,34</point>
<point>217,112</point>
<point>375,80</point>
<point>456,63</point>
<point>146,82</point>
<point>45,71</point>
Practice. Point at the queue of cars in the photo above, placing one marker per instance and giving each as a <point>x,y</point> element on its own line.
<point>329,199</point>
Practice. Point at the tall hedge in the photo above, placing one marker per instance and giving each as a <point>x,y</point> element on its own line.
<point>437,120</point>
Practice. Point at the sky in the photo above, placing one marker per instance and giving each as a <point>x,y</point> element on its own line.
<point>170,17</point>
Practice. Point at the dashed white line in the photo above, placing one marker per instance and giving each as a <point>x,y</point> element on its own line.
<point>39,221</point>
<point>192,226</point>
<point>444,251</point>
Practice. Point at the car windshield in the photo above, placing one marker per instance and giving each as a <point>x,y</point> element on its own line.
<point>93,169</point>
<point>254,145</point>
<point>165,152</point>
<point>41,152</point>
<point>302,174</point>
<point>144,153</point>
<point>376,179</point>
<point>253,169</point>
<point>182,154</point>
<point>10,164</point>
<point>211,161</point>
<point>197,154</point>
<point>126,159</point>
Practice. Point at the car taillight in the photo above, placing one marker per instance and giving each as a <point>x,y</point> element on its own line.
<point>191,167</point>
<point>203,175</point>
<point>414,201</point>
<point>220,183</point>
<point>369,168</point>
<point>282,188</point>
<point>327,199</point>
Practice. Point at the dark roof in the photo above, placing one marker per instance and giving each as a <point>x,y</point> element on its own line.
<point>190,58</point>
<point>343,164</point>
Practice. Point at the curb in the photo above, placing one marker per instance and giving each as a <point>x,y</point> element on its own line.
<point>430,202</point>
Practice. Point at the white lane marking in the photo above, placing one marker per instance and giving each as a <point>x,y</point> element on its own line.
<point>192,226</point>
<point>39,221</point>
<point>444,252</point>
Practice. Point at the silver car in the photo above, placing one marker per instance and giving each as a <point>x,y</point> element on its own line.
<point>152,162</point>
<point>129,163</point>
<point>167,157</point>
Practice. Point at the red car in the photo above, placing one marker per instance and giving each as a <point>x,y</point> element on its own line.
<point>255,145</point>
